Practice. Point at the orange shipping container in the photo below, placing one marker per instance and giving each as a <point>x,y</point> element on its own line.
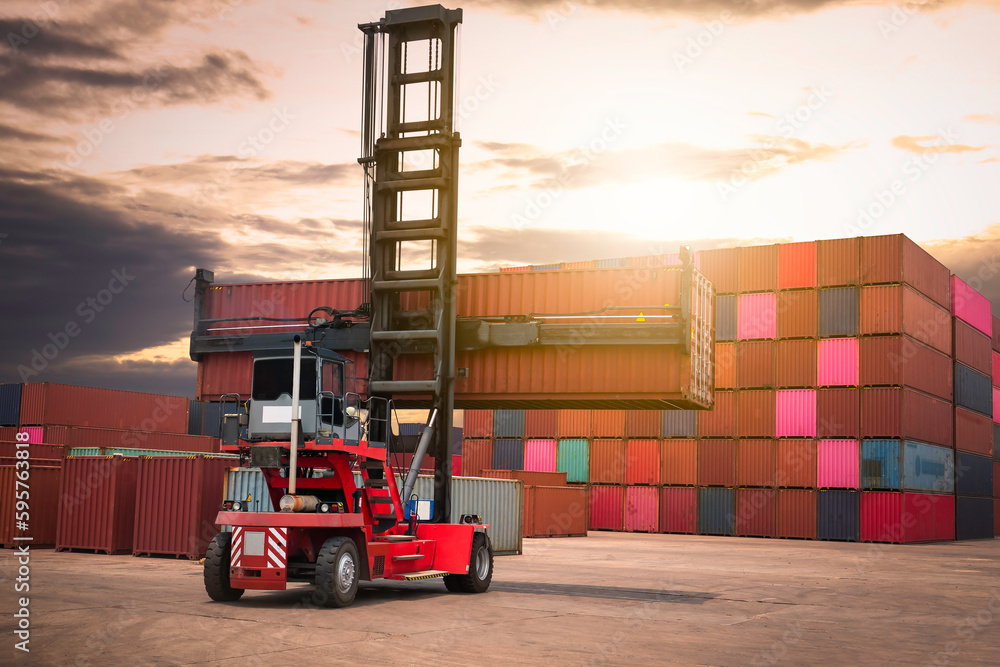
<point>796,363</point>
<point>893,309</point>
<point>756,363</point>
<point>97,504</point>
<point>716,462</point>
<point>477,424</point>
<point>838,413</point>
<point>721,268</point>
<point>540,423</point>
<point>642,462</point>
<point>642,423</point>
<point>897,259</point>
<point>796,265</point>
<point>477,456</point>
<point>756,410</point>
<point>574,424</point>
<point>555,511</point>
<point>758,268</point>
<point>903,361</point>
<point>838,262</point>
<point>608,423</point>
<point>725,365</point>
<point>756,462</point>
<point>607,461</point>
<point>721,420</point>
<point>529,477</point>
<point>796,463</point>
<point>798,314</point>
<point>973,348</point>
<point>679,462</point>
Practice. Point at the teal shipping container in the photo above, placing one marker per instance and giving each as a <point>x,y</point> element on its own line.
<point>135,453</point>
<point>572,458</point>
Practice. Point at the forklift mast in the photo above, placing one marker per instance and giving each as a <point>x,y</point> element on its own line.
<point>409,151</point>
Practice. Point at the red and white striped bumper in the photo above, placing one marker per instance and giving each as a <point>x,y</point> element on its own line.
<point>259,558</point>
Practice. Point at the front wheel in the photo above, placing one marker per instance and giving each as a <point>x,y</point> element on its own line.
<point>480,568</point>
<point>337,570</point>
<point>217,560</point>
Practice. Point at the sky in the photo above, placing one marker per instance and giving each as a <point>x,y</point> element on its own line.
<point>142,140</point>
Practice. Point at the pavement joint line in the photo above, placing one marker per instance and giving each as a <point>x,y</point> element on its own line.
<point>262,622</point>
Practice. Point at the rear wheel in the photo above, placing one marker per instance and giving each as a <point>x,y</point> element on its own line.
<point>480,568</point>
<point>217,570</point>
<point>337,571</point>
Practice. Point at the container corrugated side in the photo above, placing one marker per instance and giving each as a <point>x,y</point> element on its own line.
<point>573,459</point>
<point>973,475</point>
<point>46,403</point>
<point>902,361</point>
<point>540,455</point>
<point>41,453</point>
<point>499,501</point>
<point>838,311</point>
<point>97,504</point>
<point>508,423</point>
<point>798,314</point>
<point>679,423</point>
<point>477,455</point>
<point>642,509</point>
<point>716,511</point>
<point>838,515</point>
<point>608,423</point>
<point>607,461</point>
<point>124,439</point>
<point>679,509</point>
<point>758,268</point>
<point>10,404</point>
<point>540,423</point>
<point>902,518</point>
<point>755,413</point>
<point>133,452</point>
<point>928,468</point>
<point>837,362</point>
<point>881,464</point>
<point>725,317</point>
<point>44,502</point>
<point>838,262</point>
<point>898,412</point>
<point>607,507</point>
<point>721,267</point>
<point>795,413</point>
<point>899,309</point>
<point>756,364</point>
<point>726,365</point>
<point>756,462</point>
<point>477,424</point>
<point>796,463</point>
<point>248,485</point>
<point>796,265</point>
<point>716,462</point>
<point>971,306</point>
<point>755,512</point>
<point>973,390</point>
<point>897,259</point>
<point>643,423</point>
<point>224,373</point>
<point>795,513</point>
<point>996,442</point>
<point>642,462</point>
<point>796,363</point>
<point>756,316</point>
<point>838,464</point>
<point>973,348</point>
<point>574,424</point>
<point>555,511</point>
<point>838,413</point>
<point>529,477</point>
<point>973,518</point>
<point>973,432</point>
<point>508,454</point>
<point>679,462</point>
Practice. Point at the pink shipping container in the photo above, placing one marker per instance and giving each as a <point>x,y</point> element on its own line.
<point>540,455</point>
<point>969,305</point>
<point>679,509</point>
<point>607,507</point>
<point>837,361</point>
<point>97,504</point>
<point>36,434</point>
<point>642,509</point>
<point>907,517</point>
<point>642,462</point>
<point>996,405</point>
<point>838,464</point>
<point>45,403</point>
<point>795,413</point>
<point>756,316</point>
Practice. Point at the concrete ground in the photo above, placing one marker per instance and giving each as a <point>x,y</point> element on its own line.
<point>610,598</point>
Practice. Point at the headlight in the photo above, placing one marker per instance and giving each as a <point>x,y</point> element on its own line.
<point>238,506</point>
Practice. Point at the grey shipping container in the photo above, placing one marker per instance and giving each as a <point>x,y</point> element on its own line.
<point>244,483</point>
<point>725,317</point>
<point>10,404</point>
<point>680,424</point>
<point>508,423</point>
<point>973,518</point>
<point>499,501</point>
<point>195,414</point>
<point>973,390</point>
<point>881,464</point>
<point>716,511</point>
<point>615,263</point>
<point>508,455</point>
<point>928,468</point>
<point>973,475</point>
<point>838,311</point>
<point>838,515</point>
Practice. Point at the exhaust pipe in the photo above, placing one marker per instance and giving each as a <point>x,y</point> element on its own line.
<point>418,458</point>
<point>296,422</point>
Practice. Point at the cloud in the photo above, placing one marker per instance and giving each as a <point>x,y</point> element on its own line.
<point>920,146</point>
<point>984,117</point>
<point>975,259</point>
<point>235,170</point>
<point>18,134</point>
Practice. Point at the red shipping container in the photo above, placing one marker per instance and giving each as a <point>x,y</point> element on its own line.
<point>756,316</point>
<point>607,507</point>
<point>574,424</point>
<point>906,517</point>
<point>721,268</point>
<point>758,268</point>
<point>838,413</point>
<point>798,314</point>
<point>837,362</point>
<point>996,366</point>
<point>902,361</point>
<point>899,412</point>
<point>43,502</point>
<point>642,509</point>
<point>756,363</point>
<point>176,502</point>
<point>969,305</point>
<point>540,423</point>
<point>973,432</point>
<point>721,420</point>
<point>45,403</point>
<point>607,461</point>
<point>755,512</point>
<point>97,504</point>
<point>716,463</point>
<point>642,423</point>
<point>973,348</point>
<point>109,438</point>
<point>477,424</point>
<point>679,462</point>
<point>477,456</point>
<point>756,462</point>
<point>838,262</point>
<point>796,513</point>
<point>900,309</point>
<point>725,365</point>
<point>38,453</point>
<point>226,373</point>
<point>514,269</point>
<point>642,462</point>
<point>796,363</point>
<point>755,410</point>
<point>796,463</point>
<point>796,265</point>
<point>555,511</point>
<point>897,259</point>
<point>996,479</point>
<point>608,423</point>
<point>679,510</point>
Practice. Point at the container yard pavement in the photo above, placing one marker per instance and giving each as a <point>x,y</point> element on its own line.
<point>610,598</point>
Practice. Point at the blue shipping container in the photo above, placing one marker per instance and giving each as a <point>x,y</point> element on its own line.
<point>716,511</point>
<point>928,468</point>
<point>973,518</point>
<point>973,390</point>
<point>211,420</point>
<point>508,423</point>
<point>679,424</point>
<point>996,441</point>
<point>508,455</point>
<point>838,311</point>
<point>838,515</point>
<point>725,317</point>
<point>10,404</point>
<point>881,464</point>
<point>973,475</point>
<point>243,483</point>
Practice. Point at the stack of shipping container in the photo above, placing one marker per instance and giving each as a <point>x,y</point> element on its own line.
<point>853,402</point>
<point>996,425</point>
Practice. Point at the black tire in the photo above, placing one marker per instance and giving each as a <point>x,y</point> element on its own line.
<point>480,568</point>
<point>338,568</point>
<point>217,561</point>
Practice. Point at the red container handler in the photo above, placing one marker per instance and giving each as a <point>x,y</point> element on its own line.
<point>477,455</point>
<point>796,363</point>
<point>47,403</point>
<point>888,516</point>
<point>902,361</point>
<point>796,265</point>
<point>795,513</point>
<point>540,423</point>
<point>43,499</point>
<point>679,510</point>
<point>755,512</point>
<point>607,461</point>
<point>716,463</point>
<point>756,462</point>
<point>798,314</point>
<point>796,463</point>
<point>642,462</point>
<point>972,347</point>
<point>477,424</point>
<point>555,511</point>
<point>679,461</point>
<point>908,414</point>
<point>897,259</point>
<point>900,309</point>
<point>574,424</point>
<point>176,502</point>
<point>607,507</point>
<point>97,504</point>
<point>642,509</point>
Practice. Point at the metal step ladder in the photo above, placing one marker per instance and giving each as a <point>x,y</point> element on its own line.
<point>381,498</point>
